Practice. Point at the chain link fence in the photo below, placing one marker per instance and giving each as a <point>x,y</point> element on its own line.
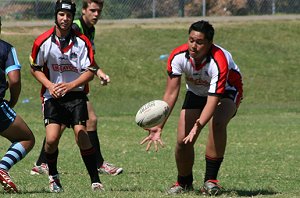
<point>135,9</point>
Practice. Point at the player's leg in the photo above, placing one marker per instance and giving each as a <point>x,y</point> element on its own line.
<point>91,126</point>
<point>103,166</point>
<point>22,142</point>
<point>55,114</point>
<point>184,153</point>
<point>88,155</point>
<point>53,134</point>
<point>40,166</point>
<point>216,144</point>
<point>87,150</point>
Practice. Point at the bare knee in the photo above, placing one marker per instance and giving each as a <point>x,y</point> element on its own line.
<point>51,145</point>
<point>219,124</point>
<point>182,147</point>
<point>92,122</point>
<point>92,119</point>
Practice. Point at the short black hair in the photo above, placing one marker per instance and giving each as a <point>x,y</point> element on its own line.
<point>205,27</point>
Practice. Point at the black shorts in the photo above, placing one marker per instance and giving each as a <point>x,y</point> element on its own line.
<point>7,115</point>
<point>69,110</point>
<point>193,101</point>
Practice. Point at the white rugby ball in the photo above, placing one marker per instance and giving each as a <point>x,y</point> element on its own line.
<point>152,113</point>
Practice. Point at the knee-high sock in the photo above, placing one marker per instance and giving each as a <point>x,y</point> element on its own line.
<point>93,135</point>
<point>14,154</point>
<point>89,159</point>
<point>42,157</point>
<point>52,162</point>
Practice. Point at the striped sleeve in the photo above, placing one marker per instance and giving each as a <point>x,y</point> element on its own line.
<point>12,62</point>
<point>219,77</point>
<point>174,60</point>
<point>34,59</point>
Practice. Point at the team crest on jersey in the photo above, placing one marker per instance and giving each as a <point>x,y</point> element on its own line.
<point>73,56</point>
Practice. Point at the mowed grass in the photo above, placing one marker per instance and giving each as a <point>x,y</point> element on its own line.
<point>262,157</point>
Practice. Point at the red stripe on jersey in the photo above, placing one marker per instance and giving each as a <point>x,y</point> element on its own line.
<point>90,55</point>
<point>35,50</point>
<point>222,64</point>
<point>38,42</point>
<point>181,49</point>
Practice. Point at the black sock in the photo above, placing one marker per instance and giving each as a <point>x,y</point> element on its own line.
<point>89,158</point>
<point>42,156</point>
<point>93,135</point>
<point>52,162</point>
<point>185,181</point>
<point>212,168</point>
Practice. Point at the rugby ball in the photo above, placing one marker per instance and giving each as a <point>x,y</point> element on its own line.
<point>152,113</point>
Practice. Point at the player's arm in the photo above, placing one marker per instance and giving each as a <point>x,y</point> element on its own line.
<point>208,111</point>
<point>14,81</point>
<point>83,79</point>
<point>103,77</point>
<point>12,69</point>
<point>171,93</point>
<point>39,75</point>
<point>170,96</point>
<point>205,116</point>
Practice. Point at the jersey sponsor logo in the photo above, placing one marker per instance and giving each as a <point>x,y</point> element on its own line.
<point>198,81</point>
<point>63,68</point>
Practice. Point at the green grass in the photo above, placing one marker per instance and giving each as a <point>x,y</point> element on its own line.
<point>262,157</point>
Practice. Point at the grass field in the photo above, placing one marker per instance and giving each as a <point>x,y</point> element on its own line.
<point>262,157</point>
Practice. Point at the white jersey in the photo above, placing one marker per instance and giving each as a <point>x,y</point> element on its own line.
<point>217,73</point>
<point>62,65</point>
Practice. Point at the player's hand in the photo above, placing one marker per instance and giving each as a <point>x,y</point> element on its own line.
<point>153,137</point>
<point>104,78</point>
<point>60,89</point>
<point>54,91</point>
<point>193,133</point>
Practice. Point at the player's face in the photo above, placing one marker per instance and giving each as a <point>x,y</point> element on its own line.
<point>198,45</point>
<point>64,20</point>
<point>92,13</point>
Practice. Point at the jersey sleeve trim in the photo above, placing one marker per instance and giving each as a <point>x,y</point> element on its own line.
<point>179,50</point>
<point>17,65</point>
<point>222,64</point>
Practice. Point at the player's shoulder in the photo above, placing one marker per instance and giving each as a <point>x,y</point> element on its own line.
<point>179,51</point>
<point>4,44</point>
<point>44,36</point>
<point>217,50</point>
<point>76,25</point>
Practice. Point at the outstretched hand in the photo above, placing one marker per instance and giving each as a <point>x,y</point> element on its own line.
<point>191,135</point>
<point>153,137</point>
